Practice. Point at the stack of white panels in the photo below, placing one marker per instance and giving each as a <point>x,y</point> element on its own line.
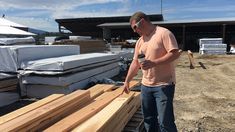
<point>17,41</point>
<point>11,57</point>
<point>210,41</point>
<point>68,62</point>
<point>212,46</point>
<point>8,89</point>
<point>67,74</point>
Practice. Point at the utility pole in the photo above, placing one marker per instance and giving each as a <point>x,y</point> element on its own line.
<point>161,6</point>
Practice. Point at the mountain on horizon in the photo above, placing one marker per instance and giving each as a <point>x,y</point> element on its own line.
<point>37,31</point>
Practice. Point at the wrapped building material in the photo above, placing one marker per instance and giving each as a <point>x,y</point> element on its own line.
<point>11,57</point>
<point>41,91</point>
<point>68,62</point>
<point>17,41</point>
<point>7,98</point>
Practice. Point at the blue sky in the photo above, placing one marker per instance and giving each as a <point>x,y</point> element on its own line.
<point>41,14</point>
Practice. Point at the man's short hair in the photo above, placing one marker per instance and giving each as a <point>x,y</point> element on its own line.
<point>138,16</point>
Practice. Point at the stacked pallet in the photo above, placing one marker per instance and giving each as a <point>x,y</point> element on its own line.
<point>212,46</point>
<point>100,108</point>
<point>8,89</point>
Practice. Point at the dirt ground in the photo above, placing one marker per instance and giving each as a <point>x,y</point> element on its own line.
<point>205,96</point>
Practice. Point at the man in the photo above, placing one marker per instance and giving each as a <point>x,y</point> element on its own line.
<point>158,82</point>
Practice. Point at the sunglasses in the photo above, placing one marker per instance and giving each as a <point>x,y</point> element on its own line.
<point>137,25</point>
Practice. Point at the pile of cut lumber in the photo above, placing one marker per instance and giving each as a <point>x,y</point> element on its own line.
<point>101,108</point>
<point>86,46</point>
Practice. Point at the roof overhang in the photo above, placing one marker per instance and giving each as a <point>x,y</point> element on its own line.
<point>196,22</point>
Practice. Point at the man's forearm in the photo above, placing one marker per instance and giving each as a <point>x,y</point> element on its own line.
<point>169,57</point>
<point>134,67</point>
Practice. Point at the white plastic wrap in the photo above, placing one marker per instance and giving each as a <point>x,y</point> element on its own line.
<point>68,79</point>
<point>11,57</point>
<point>68,62</point>
<point>7,98</point>
<point>41,91</point>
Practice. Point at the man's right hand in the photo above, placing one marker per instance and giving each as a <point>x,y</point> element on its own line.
<point>126,88</point>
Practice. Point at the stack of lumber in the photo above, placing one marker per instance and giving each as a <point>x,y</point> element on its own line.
<point>8,89</point>
<point>86,46</point>
<point>100,108</point>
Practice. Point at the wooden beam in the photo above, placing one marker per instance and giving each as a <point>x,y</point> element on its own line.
<point>49,111</point>
<point>119,121</point>
<point>85,113</point>
<point>88,111</point>
<point>191,60</point>
<point>101,118</point>
<point>98,89</point>
<point>29,108</point>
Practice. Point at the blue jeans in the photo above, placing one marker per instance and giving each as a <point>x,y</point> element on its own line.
<point>157,108</point>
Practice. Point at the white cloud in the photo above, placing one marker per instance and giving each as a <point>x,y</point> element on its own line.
<point>32,12</point>
<point>41,14</point>
<point>50,4</point>
<point>37,23</point>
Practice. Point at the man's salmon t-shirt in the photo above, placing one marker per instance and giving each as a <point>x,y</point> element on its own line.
<point>160,42</point>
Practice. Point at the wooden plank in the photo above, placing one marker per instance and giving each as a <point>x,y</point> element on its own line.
<point>118,122</point>
<point>83,114</point>
<point>102,117</point>
<point>115,120</point>
<point>62,113</point>
<point>191,59</point>
<point>109,87</point>
<point>29,107</point>
<point>134,83</point>
<point>133,125</point>
<point>50,110</point>
<point>122,119</point>
<point>98,89</point>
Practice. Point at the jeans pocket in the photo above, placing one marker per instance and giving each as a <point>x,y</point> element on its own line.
<point>168,90</point>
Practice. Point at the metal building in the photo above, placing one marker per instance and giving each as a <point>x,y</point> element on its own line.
<point>187,32</point>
